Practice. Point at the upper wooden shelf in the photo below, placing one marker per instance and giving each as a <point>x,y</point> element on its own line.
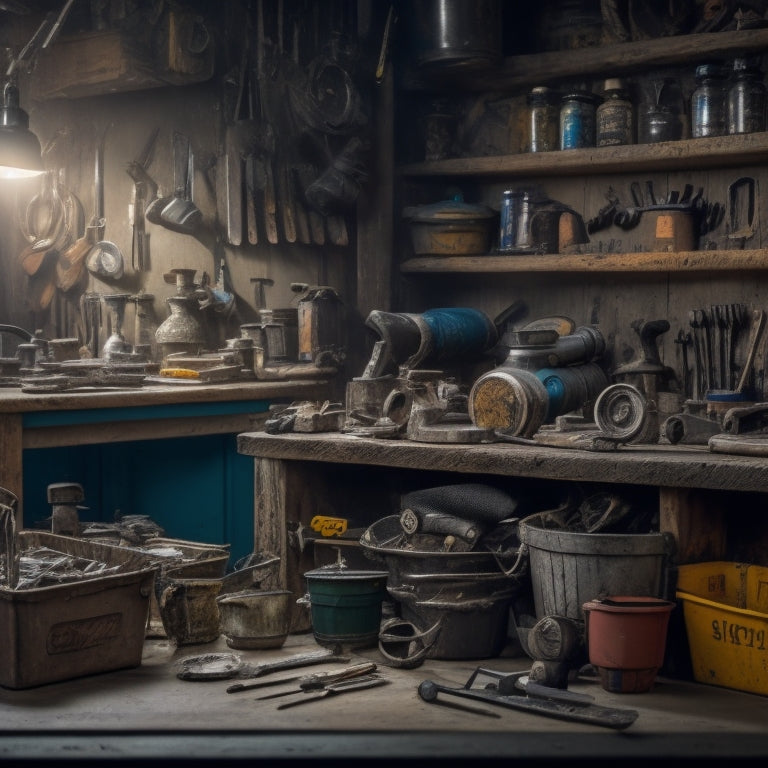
<point>608,60</point>
<point>718,151</point>
<point>680,261</point>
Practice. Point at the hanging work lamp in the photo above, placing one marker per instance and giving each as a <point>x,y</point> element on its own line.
<point>20,152</point>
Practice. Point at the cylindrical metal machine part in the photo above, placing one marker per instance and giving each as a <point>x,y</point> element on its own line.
<point>570,388</point>
<point>584,345</point>
<point>511,400</point>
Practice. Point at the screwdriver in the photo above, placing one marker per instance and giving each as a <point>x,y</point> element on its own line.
<point>309,682</point>
<point>343,686</point>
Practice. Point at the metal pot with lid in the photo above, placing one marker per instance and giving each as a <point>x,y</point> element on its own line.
<point>345,605</point>
<point>451,228</point>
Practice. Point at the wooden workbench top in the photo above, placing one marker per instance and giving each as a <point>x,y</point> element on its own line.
<point>13,400</point>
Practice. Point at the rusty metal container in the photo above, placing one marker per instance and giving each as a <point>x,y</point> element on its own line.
<point>456,34</point>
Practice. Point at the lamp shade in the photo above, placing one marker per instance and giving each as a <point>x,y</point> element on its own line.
<point>20,152</point>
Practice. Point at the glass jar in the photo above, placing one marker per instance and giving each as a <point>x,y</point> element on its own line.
<point>659,123</point>
<point>708,114</point>
<point>578,119</point>
<point>543,120</point>
<point>747,99</point>
<point>615,116</point>
<point>665,118</point>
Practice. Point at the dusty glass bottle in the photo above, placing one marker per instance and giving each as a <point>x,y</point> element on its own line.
<point>543,120</point>
<point>578,119</point>
<point>747,101</point>
<point>708,114</point>
<point>615,115</point>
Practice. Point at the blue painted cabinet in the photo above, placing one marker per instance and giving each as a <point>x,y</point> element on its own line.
<point>197,488</point>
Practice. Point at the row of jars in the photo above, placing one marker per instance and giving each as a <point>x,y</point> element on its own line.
<point>724,102</point>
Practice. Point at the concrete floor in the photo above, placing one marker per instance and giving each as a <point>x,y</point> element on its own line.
<point>147,715</point>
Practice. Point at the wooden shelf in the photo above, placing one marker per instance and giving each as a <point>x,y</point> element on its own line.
<point>545,68</point>
<point>658,465</point>
<point>111,61</point>
<point>743,149</point>
<point>681,261</point>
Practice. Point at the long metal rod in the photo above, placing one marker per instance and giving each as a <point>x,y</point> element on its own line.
<point>594,714</point>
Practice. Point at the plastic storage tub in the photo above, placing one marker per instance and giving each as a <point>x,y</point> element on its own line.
<point>725,609</point>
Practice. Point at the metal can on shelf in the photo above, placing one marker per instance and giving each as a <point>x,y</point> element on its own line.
<point>615,116</point>
<point>578,119</point>
<point>543,120</point>
<point>513,219</point>
<point>747,100</point>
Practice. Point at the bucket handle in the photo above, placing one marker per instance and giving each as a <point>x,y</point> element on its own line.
<point>521,562</point>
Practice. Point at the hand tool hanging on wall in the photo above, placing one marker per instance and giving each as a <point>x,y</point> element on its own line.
<point>144,191</point>
<point>180,214</point>
<point>742,207</point>
<point>270,200</point>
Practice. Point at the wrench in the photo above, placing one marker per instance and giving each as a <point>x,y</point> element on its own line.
<point>699,372</point>
<point>684,339</point>
<point>144,191</point>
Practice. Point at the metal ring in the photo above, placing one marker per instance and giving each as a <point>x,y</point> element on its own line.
<point>620,411</point>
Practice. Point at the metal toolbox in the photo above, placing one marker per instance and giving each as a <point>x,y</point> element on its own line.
<point>73,629</point>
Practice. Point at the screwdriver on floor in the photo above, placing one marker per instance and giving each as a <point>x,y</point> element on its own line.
<point>333,689</point>
<point>309,682</point>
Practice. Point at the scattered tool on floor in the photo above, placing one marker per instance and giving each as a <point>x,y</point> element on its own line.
<point>343,686</point>
<point>316,681</point>
<point>516,691</point>
<point>222,666</point>
<point>307,682</point>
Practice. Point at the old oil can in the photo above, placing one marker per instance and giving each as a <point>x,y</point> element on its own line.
<point>321,325</point>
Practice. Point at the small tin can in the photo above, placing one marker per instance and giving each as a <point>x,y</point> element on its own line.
<point>615,116</point>
<point>513,219</point>
<point>543,120</point>
<point>578,119</point>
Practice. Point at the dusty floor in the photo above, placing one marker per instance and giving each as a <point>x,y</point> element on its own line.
<point>148,714</point>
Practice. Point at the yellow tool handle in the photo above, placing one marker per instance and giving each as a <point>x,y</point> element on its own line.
<point>180,373</point>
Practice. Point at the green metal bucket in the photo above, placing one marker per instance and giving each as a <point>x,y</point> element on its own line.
<point>346,606</point>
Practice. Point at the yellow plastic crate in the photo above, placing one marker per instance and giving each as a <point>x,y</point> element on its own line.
<point>725,608</point>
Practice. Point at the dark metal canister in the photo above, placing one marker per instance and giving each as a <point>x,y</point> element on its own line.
<point>513,219</point>
<point>578,121</point>
<point>747,100</point>
<point>615,116</point>
<point>543,120</point>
